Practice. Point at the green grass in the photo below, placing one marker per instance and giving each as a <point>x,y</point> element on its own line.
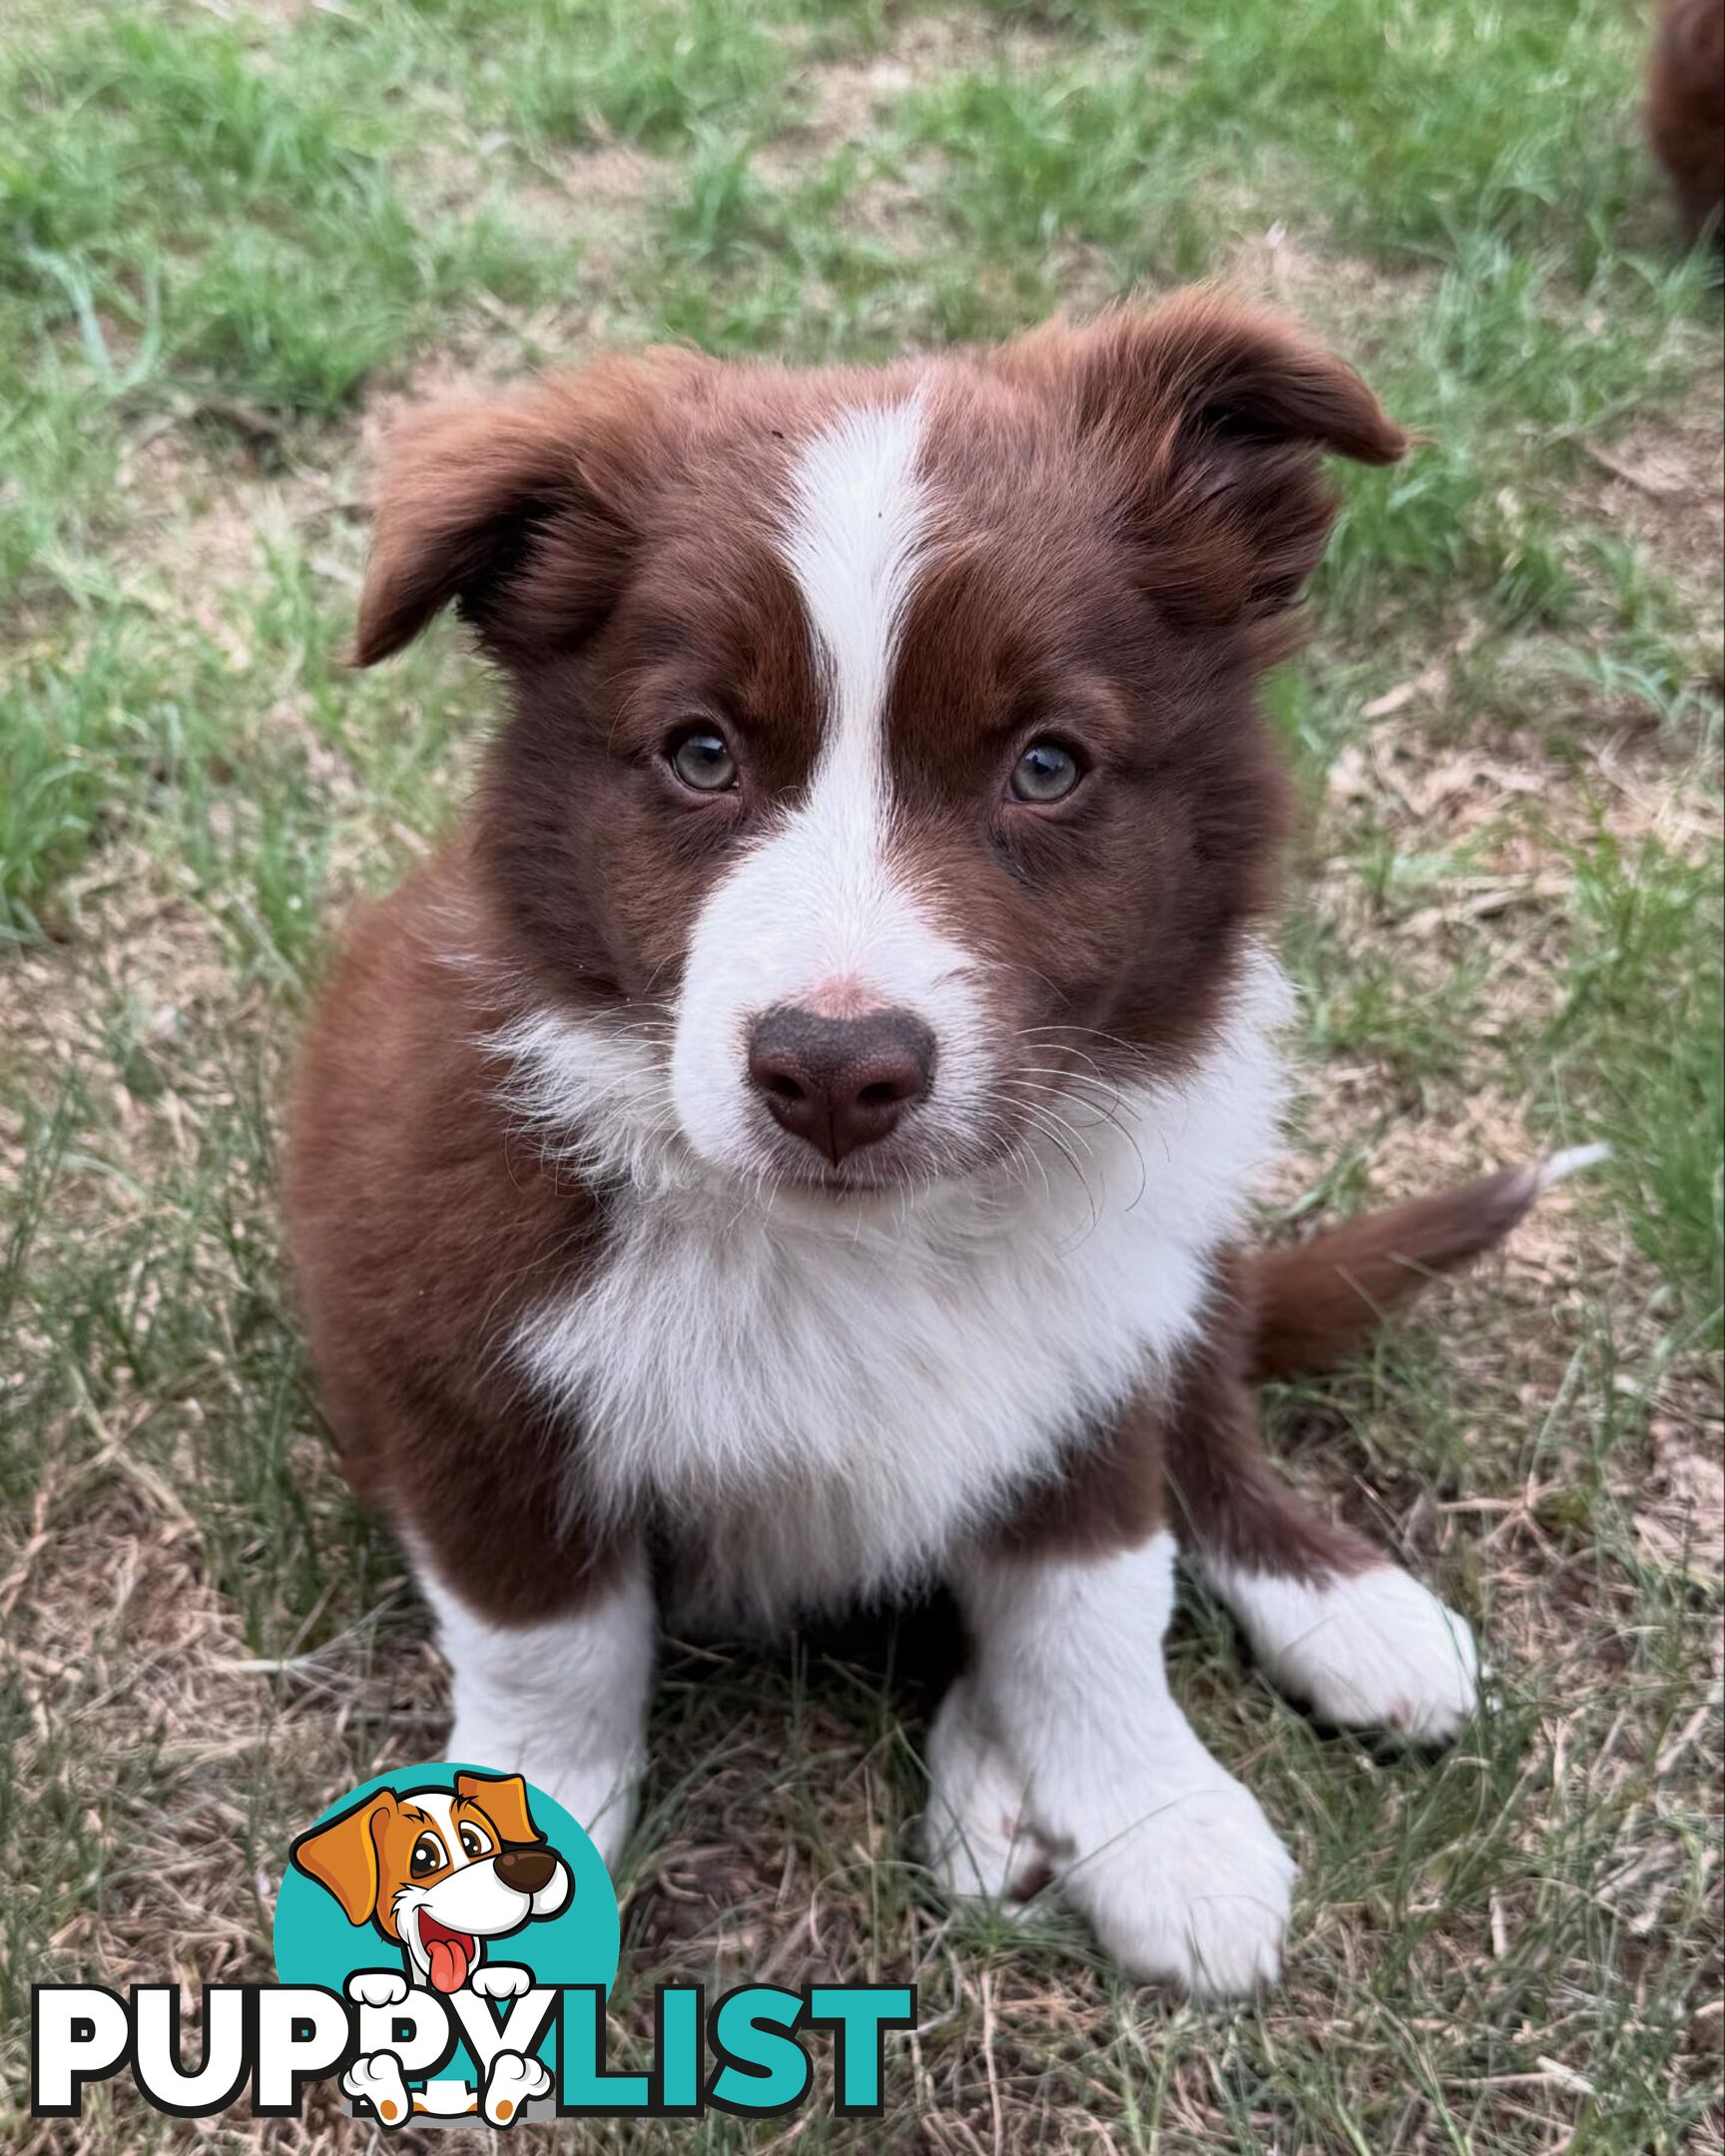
<point>230,239</point>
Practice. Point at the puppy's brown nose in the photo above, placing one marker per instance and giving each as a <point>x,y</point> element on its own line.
<point>839,1083</point>
<point>526,1870</point>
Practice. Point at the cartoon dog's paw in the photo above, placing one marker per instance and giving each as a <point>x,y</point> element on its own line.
<point>513,2080</point>
<point>501,1980</point>
<point>376,2080</point>
<point>378,1988</point>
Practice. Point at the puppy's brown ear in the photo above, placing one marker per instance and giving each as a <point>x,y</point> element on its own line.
<point>521,510</point>
<point>503,1798</point>
<point>1211,418</point>
<point>341,1855</point>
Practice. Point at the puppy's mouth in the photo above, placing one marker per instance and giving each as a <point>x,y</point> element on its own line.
<point>852,1190</point>
<point>450,1955</point>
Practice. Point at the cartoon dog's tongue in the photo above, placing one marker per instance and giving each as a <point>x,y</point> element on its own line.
<point>450,1953</point>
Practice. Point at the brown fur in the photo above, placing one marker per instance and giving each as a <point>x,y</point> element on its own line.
<point>419,1226</point>
<point>1686,109</point>
<point>1193,1457</point>
<point>1317,1300</point>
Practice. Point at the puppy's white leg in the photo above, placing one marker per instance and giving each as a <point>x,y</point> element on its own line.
<point>1371,1649</point>
<point>1168,1855</point>
<point>976,1836</point>
<point>562,1702</point>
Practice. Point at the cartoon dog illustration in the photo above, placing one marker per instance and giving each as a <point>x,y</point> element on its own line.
<point>440,1872</point>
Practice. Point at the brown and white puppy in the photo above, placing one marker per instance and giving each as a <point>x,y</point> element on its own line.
<point>795,1143</point>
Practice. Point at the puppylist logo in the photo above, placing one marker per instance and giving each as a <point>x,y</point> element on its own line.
<point>446,1938</point>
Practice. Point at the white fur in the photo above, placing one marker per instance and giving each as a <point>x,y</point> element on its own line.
<point>378,2078</point>
<point>513,2082</point>
<point>979,1837</point>
<point>596,1095</point>
<point>562,1703</point>
<point>378,1988</point>
<point>858,533</point>
<point>1573,1160</point>
<point>1066,1731</point>
<point>1374,1650</point>
<point>828,1394</point>
<point>816,911</point>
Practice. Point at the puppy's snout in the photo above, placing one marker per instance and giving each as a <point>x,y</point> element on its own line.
<point>526,1870</point>
<point>839,1083</point>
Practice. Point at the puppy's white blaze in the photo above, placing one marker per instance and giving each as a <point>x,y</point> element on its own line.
<point>816,909</point>
<point>860,529</point>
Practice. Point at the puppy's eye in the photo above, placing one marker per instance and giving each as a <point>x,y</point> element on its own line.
<point>428,1857</point>
<point>703,762</point>
<point>1044,773</point>
<point>473,1842</point>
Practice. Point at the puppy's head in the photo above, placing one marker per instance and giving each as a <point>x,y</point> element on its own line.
<point>883,766</point>
<point>439,1872</point>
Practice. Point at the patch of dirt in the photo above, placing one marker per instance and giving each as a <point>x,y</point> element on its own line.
<point>604,190</point>
<point>199,524</point>
<point>152,950</point>
<point>1682,1526</point>
<point>843,97</point>
<point>1662,480</point>
<point>841,100</point>
<point>614,175</point>
<point>271,14</point>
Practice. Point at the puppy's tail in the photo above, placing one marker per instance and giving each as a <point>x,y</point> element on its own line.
<point>1318,1301</point>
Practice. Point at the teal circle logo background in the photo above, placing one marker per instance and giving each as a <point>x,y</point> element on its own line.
<point>315,1944</point>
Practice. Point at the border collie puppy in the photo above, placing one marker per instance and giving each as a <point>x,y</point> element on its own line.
<point>795,1141</point>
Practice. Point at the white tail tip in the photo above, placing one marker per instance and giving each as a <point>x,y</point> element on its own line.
<point>1556,1166</point>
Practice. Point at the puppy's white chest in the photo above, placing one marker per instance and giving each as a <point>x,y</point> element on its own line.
<point>824,1415</point>
<point>815,1409</point>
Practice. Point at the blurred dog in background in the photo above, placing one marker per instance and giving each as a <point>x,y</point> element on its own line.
<point>1686,109</point>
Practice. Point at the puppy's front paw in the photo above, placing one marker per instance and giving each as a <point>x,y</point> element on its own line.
<point>1196,1893</point>
<point>377,2080</point>
<point>500,1980</point>
<point>1374,1650</point>
<point>513,2080</point>
<point>977,1838</point>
